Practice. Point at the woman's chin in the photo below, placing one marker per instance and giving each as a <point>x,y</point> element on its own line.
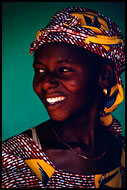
<point>58,116</point>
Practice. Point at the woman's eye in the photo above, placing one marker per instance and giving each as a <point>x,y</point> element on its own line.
<point>39,71</point>
<point>65,69</point>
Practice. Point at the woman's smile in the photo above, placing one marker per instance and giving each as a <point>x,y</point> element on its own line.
<point>55,103</point>
<point>55,100</point>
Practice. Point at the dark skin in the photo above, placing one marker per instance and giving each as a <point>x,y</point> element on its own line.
<point>68,72</point>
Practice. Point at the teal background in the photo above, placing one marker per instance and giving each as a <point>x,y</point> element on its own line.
<point>21,108</point>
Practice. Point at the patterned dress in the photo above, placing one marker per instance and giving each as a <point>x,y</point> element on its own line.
<point>25,165</point>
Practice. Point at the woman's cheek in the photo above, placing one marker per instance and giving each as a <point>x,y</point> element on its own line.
<point>36,86</point>
<point>70,83</point>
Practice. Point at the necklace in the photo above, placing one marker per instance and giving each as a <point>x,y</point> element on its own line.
<point>70,148</point>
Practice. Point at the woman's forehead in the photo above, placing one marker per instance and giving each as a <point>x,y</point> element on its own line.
<point>62,49</point>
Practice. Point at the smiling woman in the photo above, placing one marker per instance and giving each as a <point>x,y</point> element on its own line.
<point>78,60</point>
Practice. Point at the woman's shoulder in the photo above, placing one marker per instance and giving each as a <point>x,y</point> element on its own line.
<point>11,141</point>
<point>18,145</point>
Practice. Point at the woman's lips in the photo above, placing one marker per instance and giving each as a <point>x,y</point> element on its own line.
<point>55,100</point>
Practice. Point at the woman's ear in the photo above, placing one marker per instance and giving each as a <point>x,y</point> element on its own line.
<point>107,76</point>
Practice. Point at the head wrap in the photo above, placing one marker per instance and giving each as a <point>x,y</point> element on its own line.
<point>93,31</point>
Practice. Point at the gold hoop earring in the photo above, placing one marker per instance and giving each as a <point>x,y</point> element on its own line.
<point>105,91</point>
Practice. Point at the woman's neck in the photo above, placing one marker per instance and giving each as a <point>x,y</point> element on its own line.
<point>79,129</point>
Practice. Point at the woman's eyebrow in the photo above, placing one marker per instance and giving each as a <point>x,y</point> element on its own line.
<point>37,63</point>
<point>68,61</point>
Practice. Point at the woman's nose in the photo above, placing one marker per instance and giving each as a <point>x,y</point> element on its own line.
<point>50,82</point>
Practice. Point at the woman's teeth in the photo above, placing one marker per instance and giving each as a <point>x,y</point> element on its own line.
<point>54,100</point>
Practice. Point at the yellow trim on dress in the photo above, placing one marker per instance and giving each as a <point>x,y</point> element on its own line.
<point>34,165</point>
<point>115,182</point>
<point>123,158</point>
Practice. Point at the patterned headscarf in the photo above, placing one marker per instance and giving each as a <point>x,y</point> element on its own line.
<point>93,31</point>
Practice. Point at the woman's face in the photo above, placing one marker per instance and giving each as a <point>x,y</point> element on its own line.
<point>64,80</point>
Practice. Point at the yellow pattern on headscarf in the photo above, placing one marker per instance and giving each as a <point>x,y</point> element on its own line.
<point>90,15</point>
<point>98,39</point>
<point>118,100</point>
<point>104,40</point>
<point>38,33</point>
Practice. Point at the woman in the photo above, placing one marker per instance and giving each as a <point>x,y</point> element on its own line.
<point>78,59</point>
